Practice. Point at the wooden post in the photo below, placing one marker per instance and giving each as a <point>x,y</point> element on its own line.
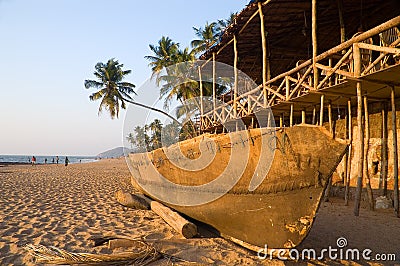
<point>330,117</point>
<point>357,72</point>
<point>341,23</point>
<point>366,148</point>
<point>395,155</point>
<point>348,177</point>
<point>321,112</point>
<point>264,54</point>
<point>201,93</point>
<point>281,121</point>
<point>384,149</point>
<point>287,86</point>
<point>291,116</point>
<point>180,224</point>
<point>214,77</point>
<point>303,116</point>
<point>314,40</point>
<point>236,76</point>
<point>314,115</point>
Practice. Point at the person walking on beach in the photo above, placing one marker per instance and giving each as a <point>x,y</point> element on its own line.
<point>66,161</point>
<point>57,159</point>
<point>45,160</point>
<point>52,161</point>
<point>33,160</point>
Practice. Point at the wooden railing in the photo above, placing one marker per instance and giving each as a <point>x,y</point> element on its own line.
<point>334,67</point>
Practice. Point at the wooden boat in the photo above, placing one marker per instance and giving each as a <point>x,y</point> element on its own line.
<point>279,212</point>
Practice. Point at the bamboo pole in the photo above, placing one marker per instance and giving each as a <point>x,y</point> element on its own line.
<point>348,177</point>
<point>395,155</point>
<point>291,116</point>
<point>366,148</point>
<point>314,40</point>
<point>281,121</point>
<point>314,115</point>
<point>303,116</point>
<point>330,117</point>
<point>321,111</point>
<point>341,22</point>
<point>201,93</point>
<point>214,77</point>
<point>384,149</point>
<point>357,71</point>
<point>236,76</point>
<point>264,53</point>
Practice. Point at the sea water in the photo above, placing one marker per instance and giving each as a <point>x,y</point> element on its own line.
<point>40,159</point>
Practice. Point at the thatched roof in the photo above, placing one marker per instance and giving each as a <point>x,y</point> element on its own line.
<point>288,23</point>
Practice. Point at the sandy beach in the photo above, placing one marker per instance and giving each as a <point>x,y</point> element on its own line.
<point>66,207</point>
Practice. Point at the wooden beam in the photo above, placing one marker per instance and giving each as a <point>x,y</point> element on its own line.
<point>303,116</point>
<point>314,115</point>
<point>201,93</point>
<point>348,177</point>
<point>384,150</point>
<point>314,40</point>
<point>214,77</point>
<point>235,91</point>
<point>291,116</point>
<point>395,155</point>
<point>321,111</point>
<point>366,149</point>
<point>264,54</point>
<point>341,21</point>
<point>357,71</point>
<point>330,118</point>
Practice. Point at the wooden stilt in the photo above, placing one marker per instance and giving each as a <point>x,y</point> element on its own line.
<point>236,76</point>
<point>384,149</point>
<point>264,53</point>
<point>291,116</point>
<point>341,22</point>
<point>395,155</point>
<point>357,72</point>
<point>330,118</point>
<point>321,112</point>
<point>314,115</point>
<point>201,93</point>
<point>314,40</point>
<point>214,77</point>
<point>348,177</point>
<point>281,121</point>
<point>366,148</point>
<point>303,116</point>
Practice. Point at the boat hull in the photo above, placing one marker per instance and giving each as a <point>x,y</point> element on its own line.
<point>277,191</point>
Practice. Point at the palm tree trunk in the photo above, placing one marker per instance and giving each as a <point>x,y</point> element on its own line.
<point>153,109</point>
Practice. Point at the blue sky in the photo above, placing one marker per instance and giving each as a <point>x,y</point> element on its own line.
<point>48,48</point>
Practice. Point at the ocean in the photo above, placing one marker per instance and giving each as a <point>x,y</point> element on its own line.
<point>41,159</point>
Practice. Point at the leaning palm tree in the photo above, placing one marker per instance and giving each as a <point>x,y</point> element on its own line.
<point>207,37</point>
<point>113,91</point>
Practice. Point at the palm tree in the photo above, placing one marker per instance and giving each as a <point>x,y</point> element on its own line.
<point>207,37</point>
<point>164,54</point>
<point>113,91</point>
<point>223,24</point>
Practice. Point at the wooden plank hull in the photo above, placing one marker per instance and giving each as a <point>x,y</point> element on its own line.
<point>271,181</point>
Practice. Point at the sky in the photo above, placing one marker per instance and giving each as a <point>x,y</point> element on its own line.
<point>48,48</point>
